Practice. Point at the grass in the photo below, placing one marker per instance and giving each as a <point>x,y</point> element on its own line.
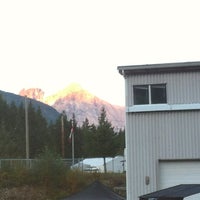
<point>49,179</point>
<point>72,182</point>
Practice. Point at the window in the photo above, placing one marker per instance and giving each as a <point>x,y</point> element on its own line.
<point>158,94</point>
<point>149,94</point>
<point>141,94</point>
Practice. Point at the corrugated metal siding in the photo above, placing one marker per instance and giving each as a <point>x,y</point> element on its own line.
<point>154,136</point>
<point>161,135</point>
<point>181,87</point>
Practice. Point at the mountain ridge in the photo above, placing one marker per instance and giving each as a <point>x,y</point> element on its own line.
<point>73,88</point>
<point>76,100</point>
<point>48,112</point>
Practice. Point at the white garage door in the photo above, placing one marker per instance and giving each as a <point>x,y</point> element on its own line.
<point>179,172</point>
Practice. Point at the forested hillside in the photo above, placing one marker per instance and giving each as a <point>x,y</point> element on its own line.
<point>90,140</point>
<point>48,112</point>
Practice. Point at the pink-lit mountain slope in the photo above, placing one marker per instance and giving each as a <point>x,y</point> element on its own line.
<point>33,93</point>
<point>74,99</point>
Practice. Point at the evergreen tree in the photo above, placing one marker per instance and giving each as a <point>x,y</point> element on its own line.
<point>104,138</point>
<point>37,131</point>
<point>20,132</point>
<point>54,136</point>
<point>88,144</point>
<point>4,141</point>
<point>120,142</point>
<point>8,143</point>
<point>3,108</point>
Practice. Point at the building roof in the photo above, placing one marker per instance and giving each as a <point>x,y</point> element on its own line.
<point>95,191</point>
<point>158,68</point>
<point>176,192</point>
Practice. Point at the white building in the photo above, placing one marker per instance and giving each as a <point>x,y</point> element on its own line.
<point>162,126</point>
<point>116,164</point>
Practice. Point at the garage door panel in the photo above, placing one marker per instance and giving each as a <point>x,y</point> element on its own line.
<point>173,173</point>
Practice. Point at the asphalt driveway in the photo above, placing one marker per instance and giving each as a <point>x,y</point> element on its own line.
<point>96,191</point>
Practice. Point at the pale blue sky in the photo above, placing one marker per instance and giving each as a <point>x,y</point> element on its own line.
<point>50,44</point>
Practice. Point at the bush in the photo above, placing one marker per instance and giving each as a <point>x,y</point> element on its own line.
<point>49,170</point>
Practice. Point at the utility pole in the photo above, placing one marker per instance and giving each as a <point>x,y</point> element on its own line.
<point>26,128</point>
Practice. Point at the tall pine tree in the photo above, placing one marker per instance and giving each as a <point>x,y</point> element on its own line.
<point>104,138</point>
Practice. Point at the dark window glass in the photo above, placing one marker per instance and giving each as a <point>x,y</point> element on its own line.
<point>158,94</point>
<point>141,94</point>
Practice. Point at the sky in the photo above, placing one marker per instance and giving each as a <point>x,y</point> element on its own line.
<point>50,44</point>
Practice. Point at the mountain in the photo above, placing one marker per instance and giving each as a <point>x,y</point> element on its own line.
<point>33,93</point>
<point>74,99</point>
<point>48,112</point>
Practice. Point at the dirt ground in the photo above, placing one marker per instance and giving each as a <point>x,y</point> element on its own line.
<point>22,193</point>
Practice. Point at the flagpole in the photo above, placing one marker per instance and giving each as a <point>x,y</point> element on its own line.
<point>62,137</point>
<point>73,144</point>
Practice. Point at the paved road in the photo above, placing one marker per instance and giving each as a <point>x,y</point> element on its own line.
<point>96,191</point>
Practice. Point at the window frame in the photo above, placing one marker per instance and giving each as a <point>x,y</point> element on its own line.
<point>149,86</point>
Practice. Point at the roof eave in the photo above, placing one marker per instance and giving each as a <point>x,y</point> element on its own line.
<point>159,68</point>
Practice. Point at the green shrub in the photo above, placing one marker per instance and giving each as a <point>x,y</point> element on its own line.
<point>49,170</point>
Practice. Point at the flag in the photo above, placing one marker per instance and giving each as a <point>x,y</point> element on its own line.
<point>70,135</point>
